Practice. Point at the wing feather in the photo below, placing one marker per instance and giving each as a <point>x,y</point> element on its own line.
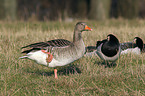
<point>127,45</point>
<point>45,45</point>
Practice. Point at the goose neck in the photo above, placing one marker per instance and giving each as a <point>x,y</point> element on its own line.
<point>77,36</point>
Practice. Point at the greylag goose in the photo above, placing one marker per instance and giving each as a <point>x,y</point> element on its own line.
<point>135,47</point>
<point>108,49</point>
<point>58,52</point>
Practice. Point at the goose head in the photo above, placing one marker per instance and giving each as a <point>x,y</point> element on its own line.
<point>138,41</point>
<point>81,26</point>
<point>112,38</point>
<point>110,46</point>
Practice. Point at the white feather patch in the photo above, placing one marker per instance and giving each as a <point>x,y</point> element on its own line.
<point>131,50</point>
<point>38,56</point>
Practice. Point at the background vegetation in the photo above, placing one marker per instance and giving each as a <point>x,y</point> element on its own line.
<point>68,10</point>
<point>87,76</point>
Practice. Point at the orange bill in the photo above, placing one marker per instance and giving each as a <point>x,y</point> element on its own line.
<point>88,28</point>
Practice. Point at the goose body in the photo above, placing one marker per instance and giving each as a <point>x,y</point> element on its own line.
<point>61,55</point>
<point>90,51</point>
<point>135,50</point>
<point>105,57</point>
<point>59,52</point>
<point>135,47</point>
<point>65,55</point>
<point>108,49</point>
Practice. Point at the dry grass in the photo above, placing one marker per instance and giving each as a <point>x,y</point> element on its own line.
<point>83,77</point>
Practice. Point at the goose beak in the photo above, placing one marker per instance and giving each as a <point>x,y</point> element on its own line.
<point>88,28</point>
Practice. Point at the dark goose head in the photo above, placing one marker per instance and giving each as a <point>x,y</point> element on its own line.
<point>110,46</point>
<point>139,43</point>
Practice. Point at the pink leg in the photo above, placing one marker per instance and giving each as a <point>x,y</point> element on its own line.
<point>55,73</point>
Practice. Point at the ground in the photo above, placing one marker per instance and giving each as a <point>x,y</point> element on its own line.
<point>86,76</point>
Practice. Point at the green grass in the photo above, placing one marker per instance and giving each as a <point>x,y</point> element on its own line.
<point>83,77</point>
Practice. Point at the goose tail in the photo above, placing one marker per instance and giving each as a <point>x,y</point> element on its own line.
<point>23,57</point>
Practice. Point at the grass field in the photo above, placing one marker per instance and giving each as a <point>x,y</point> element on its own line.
<point>86,76</point>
